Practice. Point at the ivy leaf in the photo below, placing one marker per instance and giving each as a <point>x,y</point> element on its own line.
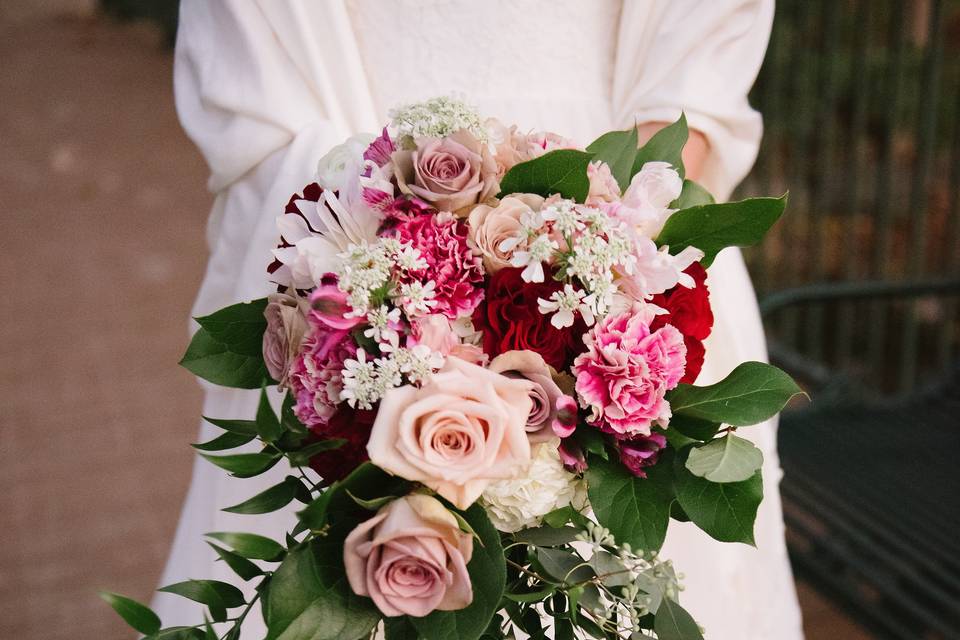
<point>244,465</point>
<point>140,617</point>
<point>563,171</point>
<point>488,574</point>
<point>666,145</point>
<point>240,565</point>
<point>752,393</point>
<point>727,459</point>
<point>269,500</point>
<point>712,227</point>
<point>251,545</point>
<point>308,597</point>
<point>725,511</point>
<point>674,623</point>
<point>635,510</point>
<point>619,150</point>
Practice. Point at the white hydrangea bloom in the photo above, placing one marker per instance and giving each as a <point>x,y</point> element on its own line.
<point>521,502</point>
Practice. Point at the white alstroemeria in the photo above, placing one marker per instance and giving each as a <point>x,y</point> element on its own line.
<point>563,304</point>
<point>362,385</point>
<point>564,216</point>
<point>382,320</point>
<point>340,169</point>
<point>657,270</point>
<point>539,251</point>
<point>416,298</point>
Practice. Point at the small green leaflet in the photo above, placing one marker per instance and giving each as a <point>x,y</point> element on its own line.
<point>726,459</point>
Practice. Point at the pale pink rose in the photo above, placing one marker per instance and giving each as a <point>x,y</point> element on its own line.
<point>603,186</point>
<point>645,204</point>
<point>286,326</point>
<point>451,173</point>
<point>464,428</point>
<point>544,392</point>
<point>410,559</point>
<point>490,226</point>
<point>624,375</point>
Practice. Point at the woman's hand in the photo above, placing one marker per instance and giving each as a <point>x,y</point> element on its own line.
<point>694,153</point>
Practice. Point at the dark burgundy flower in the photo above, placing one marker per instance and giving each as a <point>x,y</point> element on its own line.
<point>638,453</point>
<point>353,425</point>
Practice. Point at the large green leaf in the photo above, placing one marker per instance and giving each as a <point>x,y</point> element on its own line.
<point>727,459</point>
<point>725,511</point>
<point>218,363</point>
<point>271,499</point>
<point>635,510</point>
<point>692,195</point>
<point>666,145</point>
<point>137,615</point>
<point>674,623</point>
<point>240,325</point>
<point>563,171</point>
<point>619,150</point>
<point>752,393</point>
<point>712,227</point>
<point>488,574</point>
<point>309,598</point>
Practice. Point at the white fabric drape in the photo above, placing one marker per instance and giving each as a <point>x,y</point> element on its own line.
<point>266,87</point>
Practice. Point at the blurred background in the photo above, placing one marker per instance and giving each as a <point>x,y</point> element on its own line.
<point>104,211</point>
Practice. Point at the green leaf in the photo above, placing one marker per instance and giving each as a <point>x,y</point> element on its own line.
<point>302,457</point>
<point>276,497</point>
<point>240,326</point>
<point>268,425</point>
<point>563,515</point>
<point>309,598</point>
<point>563,171</point>
<point>366,482</point>
<point>374,504</point>
<point>726,459</point>
<point>666,145</point>
<point>399,628</point>
<point>224,441</point>
<point>288,418</point>
<point>592,441</point>
<point>488,574</point>
<point>217,596</point>
<point>712,227</point>
<point>177,633</point>
<point>139,616</point>
<point>563,565</point>
<point>610,569</point>
<point>216,362</point>
<point>674,623</point>
<point>244,465</point>
<point>725,511</point>
<point>635,510</point>
<point>532,596</point>
<point>752,393</point>
<point>692,195</point>
<point>694,428</point>
<point>250,545</point>
<point>547,536</point>
<point>619,150</point>
<point>241,427</point>
<point>240,565</point>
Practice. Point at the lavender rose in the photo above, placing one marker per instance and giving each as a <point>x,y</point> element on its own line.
<point>410,559</point>
<point>544,392</point>
<point>286,326</point>
<point>451,173</point>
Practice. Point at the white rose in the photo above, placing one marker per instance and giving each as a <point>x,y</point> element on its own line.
<point>521,502</point>
<point>340,169</point>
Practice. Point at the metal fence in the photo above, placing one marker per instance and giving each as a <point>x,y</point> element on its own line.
<point>861,100</point>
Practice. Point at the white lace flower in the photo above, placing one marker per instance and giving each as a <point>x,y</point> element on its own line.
<point>382,320</point>
<point>416,298</point>
<point>539,251</point>
<point>563,214</point>
<point>361,384</point>
<point>544,486</point>
<point>563,304</point>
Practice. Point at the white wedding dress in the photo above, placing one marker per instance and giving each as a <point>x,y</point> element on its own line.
<point>266,87</point>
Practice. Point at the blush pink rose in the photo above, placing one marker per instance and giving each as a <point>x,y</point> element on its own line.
<point>410,559</point>
<point>624,375</point>
<point>490,226</point>
<point>463,429</point>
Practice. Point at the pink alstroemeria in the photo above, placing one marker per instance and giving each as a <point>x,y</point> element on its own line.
<point>329,305</point>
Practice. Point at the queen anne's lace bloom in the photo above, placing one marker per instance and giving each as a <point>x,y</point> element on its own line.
<point>544,486</point>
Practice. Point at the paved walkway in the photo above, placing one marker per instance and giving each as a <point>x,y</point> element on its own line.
<point>101,252</point>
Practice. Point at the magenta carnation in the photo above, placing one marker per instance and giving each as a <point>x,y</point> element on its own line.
<point>625,373</point>
<point>451,264</point>
<point>315,376</point>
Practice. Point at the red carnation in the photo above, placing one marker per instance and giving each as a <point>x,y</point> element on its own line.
<point>689,311</point>
<point>353,425</point>
<point>510,319</point>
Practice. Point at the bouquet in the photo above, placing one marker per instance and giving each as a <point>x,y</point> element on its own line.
<point>484,343</point>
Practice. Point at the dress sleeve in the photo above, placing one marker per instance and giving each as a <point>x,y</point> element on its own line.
<point>700,57</point>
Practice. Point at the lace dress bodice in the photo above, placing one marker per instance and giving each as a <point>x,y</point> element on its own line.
<point>518,60</point>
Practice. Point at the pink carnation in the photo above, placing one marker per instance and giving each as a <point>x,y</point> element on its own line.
<point>315,376</point>
<point>451,264</point>
<point>626,372</point>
